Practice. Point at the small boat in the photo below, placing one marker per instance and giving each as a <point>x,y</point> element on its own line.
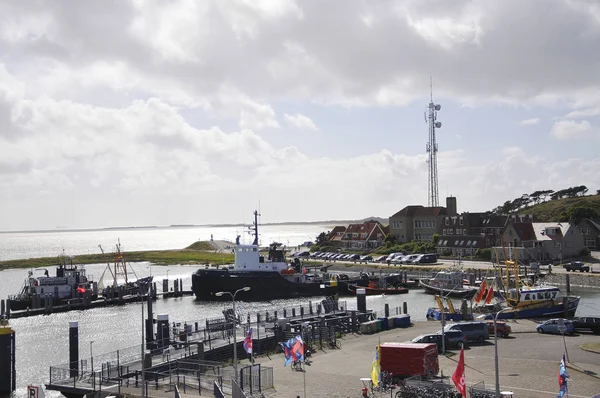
<point>448,284</point>
<point>448,311</point>
<point>39,290</point>
<point>373,288</point>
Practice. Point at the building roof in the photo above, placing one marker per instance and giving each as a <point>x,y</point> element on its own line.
<point>337,232</point>
<point>418,210</point>
<point>538,231</point>
<point>408,211</point>
<point>364,228</point>
<point>461,241</point>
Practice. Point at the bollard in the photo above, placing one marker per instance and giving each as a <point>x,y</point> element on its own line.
<point>387,310</point>
<point>149,321</point>
<point>284,313</point>
<point>275,314</point>
<point>302,312</point>
<point>310,307</point>
<point>74,349</point>
<point>181,285</point>
<point>293,312</point>
<point>405,307</point>
<point>165,285</point>
<point>361,300</point>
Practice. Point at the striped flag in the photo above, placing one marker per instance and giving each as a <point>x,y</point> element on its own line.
<point>248,342</point>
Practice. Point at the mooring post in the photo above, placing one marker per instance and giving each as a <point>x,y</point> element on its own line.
<point>74,348</point>
<point>361,300</point>
<point>405,307</point>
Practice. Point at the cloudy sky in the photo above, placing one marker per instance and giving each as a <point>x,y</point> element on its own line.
<point>159,112</point>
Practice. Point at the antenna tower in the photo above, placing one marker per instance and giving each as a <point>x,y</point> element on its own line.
<point>432,148</point>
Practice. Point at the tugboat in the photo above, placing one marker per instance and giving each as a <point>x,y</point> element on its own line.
<point>70,282</point>
<point>268,278</point>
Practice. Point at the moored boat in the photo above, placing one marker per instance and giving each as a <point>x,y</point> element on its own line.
<point>448,284</point>
<point>373,289</point>
<point>39,290</point>
<point>268,277</point>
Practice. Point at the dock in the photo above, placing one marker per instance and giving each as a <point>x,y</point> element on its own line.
<point>196,358</point>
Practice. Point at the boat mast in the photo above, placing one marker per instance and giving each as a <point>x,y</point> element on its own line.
<point>255,243</point>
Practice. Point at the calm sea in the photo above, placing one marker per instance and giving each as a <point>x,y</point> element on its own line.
<point>42,341</point>
<point>19,245</point>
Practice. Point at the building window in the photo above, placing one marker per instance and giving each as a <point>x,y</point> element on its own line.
<point>399,226</point>
<point>584,231</point>
<point>447,220</point>
<point>461,221</point>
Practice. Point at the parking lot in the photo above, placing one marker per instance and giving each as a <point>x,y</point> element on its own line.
<point>528,364</point>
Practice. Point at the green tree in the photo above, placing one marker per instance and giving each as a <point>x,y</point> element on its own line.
<point>435,239</point>
<point>322,238</point>
<point>391,239</point>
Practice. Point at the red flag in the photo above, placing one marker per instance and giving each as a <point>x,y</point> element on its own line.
<point>490,295</point>
<point>480,292</point>
<point>459,375</point>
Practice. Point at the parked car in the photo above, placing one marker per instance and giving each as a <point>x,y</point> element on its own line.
<point>380,259</point>
<point>366,258</point>
<point>475,331</point>
<point>455,339</point>
<point>429,338</point>
<point>425,259</point>
<point>408,259</point>
<point>587,323</point>
<point>576,266</point>
<point>551,326</point>
<point>503,328</point>
<point>354,257</point>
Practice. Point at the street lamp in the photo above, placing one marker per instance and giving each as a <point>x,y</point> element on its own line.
<point>219,294</point>
<point>496,351</point>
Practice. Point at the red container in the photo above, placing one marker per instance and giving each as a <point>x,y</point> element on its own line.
<point>409,359</point>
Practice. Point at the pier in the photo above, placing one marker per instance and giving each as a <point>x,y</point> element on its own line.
<point>196,357</point>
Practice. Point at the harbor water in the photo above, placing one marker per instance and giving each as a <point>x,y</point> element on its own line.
<point>42,341</point>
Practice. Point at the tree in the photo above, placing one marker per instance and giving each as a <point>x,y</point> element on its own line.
<point>435,238</point>
<point>322,238</point>
<point>391,239</point>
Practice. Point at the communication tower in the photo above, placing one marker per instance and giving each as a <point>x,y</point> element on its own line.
<point>432,148</point>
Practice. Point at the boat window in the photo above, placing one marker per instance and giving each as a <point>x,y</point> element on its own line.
<point>42,290</point>
<point>554,295</point>
<point>548,295</point>
<point>527,296</point>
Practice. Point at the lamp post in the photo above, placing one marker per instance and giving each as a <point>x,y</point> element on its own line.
<point>143,349</point>
<point>219,294</point>
<point>496,351</point>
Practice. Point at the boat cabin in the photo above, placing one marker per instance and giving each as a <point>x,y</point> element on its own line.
<point>535,295</point>
<point>248,258</point>
<point>447,280</point>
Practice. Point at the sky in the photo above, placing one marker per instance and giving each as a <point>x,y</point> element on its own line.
<point>161,112</point>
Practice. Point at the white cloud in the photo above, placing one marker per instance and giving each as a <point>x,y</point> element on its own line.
<point>569,129</point>
<point>301,121</point>
<point>160,104</point>
<point>529,122</point>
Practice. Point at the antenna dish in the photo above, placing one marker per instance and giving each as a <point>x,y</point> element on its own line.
<point>438,124</point>
<point>438,107</point>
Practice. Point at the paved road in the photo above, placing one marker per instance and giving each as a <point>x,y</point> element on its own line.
<point>528,364</point>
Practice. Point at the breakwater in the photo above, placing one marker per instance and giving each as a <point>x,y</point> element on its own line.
<point>584,279</point>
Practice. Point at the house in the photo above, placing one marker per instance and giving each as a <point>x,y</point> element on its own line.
<point>416,222</point>
<point>590,229</point>
<point>540,241</point>
<point>336,235</point>
<point>367,235</point>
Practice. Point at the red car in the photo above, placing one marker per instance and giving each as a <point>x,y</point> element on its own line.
<point>503,328</point>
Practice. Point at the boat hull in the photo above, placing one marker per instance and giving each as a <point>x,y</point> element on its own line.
<point>457,293</point>
<point>373,291</point>
<point>549,311</point>
<point>263,285</point>
<point>436,315</point>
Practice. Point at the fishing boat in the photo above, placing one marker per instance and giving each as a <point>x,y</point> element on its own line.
<point>125,281</point>
<point>525,299</point>
<point>449,284</point>
<point>40,289</point>
<point>269,277</point>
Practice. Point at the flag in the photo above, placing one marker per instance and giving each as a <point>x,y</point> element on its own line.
<point>480,292</point>
<point>459,374</point>
<point>248,342</point>
<point>562,377</point>
<point>293,350</point>
<point>376,367</point>
<point>490,295</point>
